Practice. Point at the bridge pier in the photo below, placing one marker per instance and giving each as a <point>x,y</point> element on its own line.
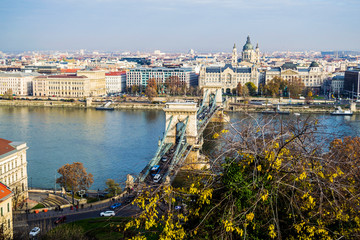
<point>220,117</point>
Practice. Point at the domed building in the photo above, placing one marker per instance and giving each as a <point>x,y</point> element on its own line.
<point>249,54</point>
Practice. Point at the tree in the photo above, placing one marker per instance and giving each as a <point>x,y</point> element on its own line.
<point>135,89</point>
<point>269,180</point>
<point>151,89</point>
<point>239,89</point>
<point>8,94</point>
<point>74,177</point>
<point>112,187</point>
<point>295,87</point>
<point>274,86</point>
<point>252,88</point>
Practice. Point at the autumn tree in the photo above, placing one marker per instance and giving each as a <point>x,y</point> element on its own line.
<point>151,89</point>
<point>252,88</point>
<point>239,89</point>
<point>267,180</point>
<point>8,94</point>
<point>112,187</point>
<point>74,177</point>
<point>295,87</point>
<point>274,86</point>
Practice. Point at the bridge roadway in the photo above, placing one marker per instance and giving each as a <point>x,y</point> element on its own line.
<point>171,157</point>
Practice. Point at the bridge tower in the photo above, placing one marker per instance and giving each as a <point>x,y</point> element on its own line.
<point>211,91</point>
<point>177,114</point>
<point>180,114</point>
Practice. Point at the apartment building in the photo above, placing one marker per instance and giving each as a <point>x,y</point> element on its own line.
<point>13,168</point>
<point>6,219</point>
<point>20,83</point>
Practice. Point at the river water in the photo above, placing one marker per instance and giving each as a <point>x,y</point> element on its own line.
<point>109,144</point>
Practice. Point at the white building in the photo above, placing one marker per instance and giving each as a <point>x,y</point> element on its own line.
<point>115,82</point>
<point>13,168</point>
<point>19,83</point>
<point>312,77</point>
<point>141,76</point>
<point>228,76</point>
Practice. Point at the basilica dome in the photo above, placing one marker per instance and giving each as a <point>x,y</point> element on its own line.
<point>248,45</point>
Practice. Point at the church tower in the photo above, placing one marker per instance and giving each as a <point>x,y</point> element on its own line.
<point>234,57</point>
<point>249,54</point>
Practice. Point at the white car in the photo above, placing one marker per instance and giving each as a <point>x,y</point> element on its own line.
<point>107,214</point>
<point>157,178</point>
<point>34,232</point>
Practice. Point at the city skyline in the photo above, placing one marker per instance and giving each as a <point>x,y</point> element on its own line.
<point>177,26</point>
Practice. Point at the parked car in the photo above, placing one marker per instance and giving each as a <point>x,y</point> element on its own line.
<point>115,205</point>
<point>157,178</point>
<point>107,214</point>
<point>61,219</point>
<point>164,159</point>
<point>34,232</point>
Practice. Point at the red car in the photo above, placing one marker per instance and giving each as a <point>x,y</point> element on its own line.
<point>61,219</point>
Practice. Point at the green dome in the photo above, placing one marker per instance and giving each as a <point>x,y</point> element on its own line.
<point>248,45</point>
<point>314,64</point>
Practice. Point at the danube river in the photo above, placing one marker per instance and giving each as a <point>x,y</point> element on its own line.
<point>109,144</point>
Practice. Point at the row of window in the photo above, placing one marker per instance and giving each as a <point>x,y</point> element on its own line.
<point>11,178</point>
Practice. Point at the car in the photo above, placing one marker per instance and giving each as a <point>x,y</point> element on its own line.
<point>155,170</point>
<point>177,207</point>
<point>157,178</point>
<point>115,205</point>
<point>164,159</point>
<point>107,214</point>
<point>34,232</point>
<point>61,219</point>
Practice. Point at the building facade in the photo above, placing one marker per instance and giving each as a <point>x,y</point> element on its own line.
<point>115,82</point>
<point>6,218</point>
<point>13,168</point>
<point>20,83</point>
<point>97,81</point>
<point>312,77</point>
<point>352,83</point>
<point>228,76</point>
<point>83,84</point>
<point>141,76</point>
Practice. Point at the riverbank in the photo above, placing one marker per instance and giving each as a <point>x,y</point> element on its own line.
<point>159,104</point>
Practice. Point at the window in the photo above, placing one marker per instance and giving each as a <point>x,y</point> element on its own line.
<point>2,214</point>
<point>8,207</point>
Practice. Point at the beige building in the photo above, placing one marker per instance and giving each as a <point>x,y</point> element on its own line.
<point>228,76</point>
<point>312,77</point>
<point>6,216</point>
<point>97,81</point>
<point>83,84</point>
<point>13,168</point>
<point>20,83</point>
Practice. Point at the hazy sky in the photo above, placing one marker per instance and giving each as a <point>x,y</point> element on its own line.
<point>179,25</point>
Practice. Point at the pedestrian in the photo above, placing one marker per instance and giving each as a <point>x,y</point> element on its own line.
<point>90,205</point>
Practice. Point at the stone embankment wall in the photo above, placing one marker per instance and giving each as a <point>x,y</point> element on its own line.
<point>77,104</point>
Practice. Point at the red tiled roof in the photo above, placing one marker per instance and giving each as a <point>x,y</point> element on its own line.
<point>5,147</point>
<point>62,76</point>
<point>4,191</point>
<point>69,70</point>
<point>115,73</point>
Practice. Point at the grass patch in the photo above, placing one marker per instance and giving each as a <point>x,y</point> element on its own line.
<point>39,205</point>
<point>104,228</point>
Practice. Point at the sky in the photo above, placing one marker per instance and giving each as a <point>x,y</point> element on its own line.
<point>179,25</point>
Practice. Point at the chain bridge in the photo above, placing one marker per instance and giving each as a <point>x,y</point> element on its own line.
<point>183,136</point>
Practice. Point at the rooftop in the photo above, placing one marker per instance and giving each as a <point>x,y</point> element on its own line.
<point>5,192</point>
<point>5,146</point>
